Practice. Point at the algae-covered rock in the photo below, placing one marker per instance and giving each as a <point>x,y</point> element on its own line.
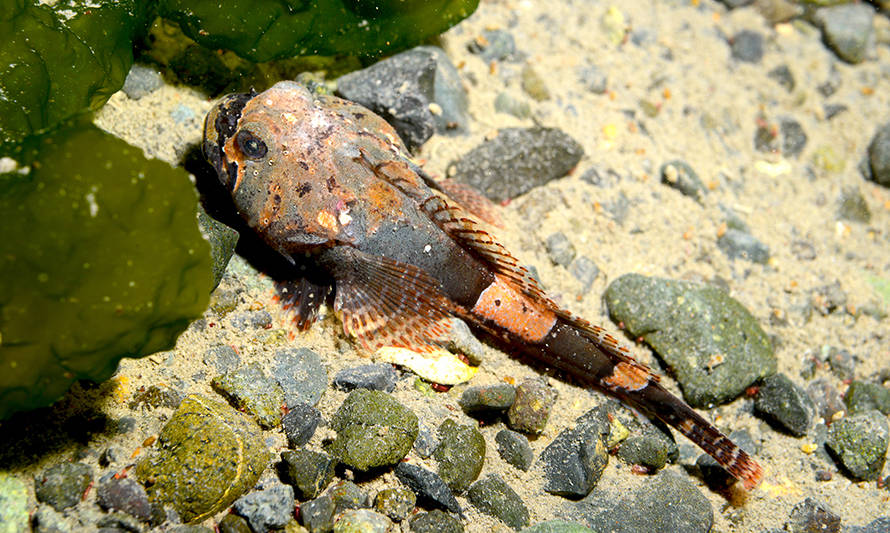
<point>373,429</point>
<point>460,454</point>
<point>249,389</point>
<point>711,342</point>
<point>208,455</point>
<point>268,29</point>
<point>60,58</point>
<point>860,443</point>
<point>102,259</point>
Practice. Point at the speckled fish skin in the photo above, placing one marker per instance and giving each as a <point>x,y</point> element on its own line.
<point>316,175</point>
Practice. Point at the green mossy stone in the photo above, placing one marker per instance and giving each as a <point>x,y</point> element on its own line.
<point>208,456</point>
<point>494,497</point>
<point>249,388</point>
<point>713,345</point>
<point>860,442</point>
<point>461,454</point>
<point>14,506</point>
<point>862,396</point>
<point>309,471</point>
<point>102,259</point>
<point>395,503</point>
<point>373,429</point>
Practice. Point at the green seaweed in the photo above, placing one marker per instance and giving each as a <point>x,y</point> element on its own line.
<point>262,30</point>
<point>101,259</point>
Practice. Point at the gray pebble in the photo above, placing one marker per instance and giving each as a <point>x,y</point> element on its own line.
<point>300,423</point>
<point>301,375</point>
<point>852,206</point>
<point>740,245</point>
<point>494,497</point>
<point>679,175</point>
<point>141,81</point>
<point>585,271</point>
<point>63,485</point>
<point>574,461</point>
<point>783,76</point>
<point>514,448</point>
<point>826,398</point>
<point>505,103</point>
<point>462,340</point>
<point>348,495</point>
<point>781,401</point>
<point>842,362</point>
<point>318,514</point>
<point>260,319</point>
<point>380,377</point>
<point>267,509</point>
<point>496,45</point>
<point>560,249</point>
<point>593,78</point>
<point>44,520</point>
<point>878,525</point>
<point>223,357</point>
<point>373,429</point>
<point>426,442</point>
<point>428,486</point>
<point>747,46</point>
<point>794,139</point>
<point>847,29</point>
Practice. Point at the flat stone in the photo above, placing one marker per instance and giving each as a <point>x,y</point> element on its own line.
<point>738,244</point>
<point>781,401</point>
<point>63,485</point>
<point>373,429</point>
<point>531,408</point>
<point>380,377</point>
<point>460,454</point>
<point>747,46</point>
<point>428,486</point>
<point>860,443</point>
<point>301,375</point>
<point>300,423</point>
<point>574,461</point>
<point>514,448</point>
<point>267,509</point>
<point>560,249</point>
<point>249,388</point>
<point>713,345</point>
<point>494,497</point>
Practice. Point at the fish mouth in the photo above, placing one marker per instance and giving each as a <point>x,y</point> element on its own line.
<point>220,125</point>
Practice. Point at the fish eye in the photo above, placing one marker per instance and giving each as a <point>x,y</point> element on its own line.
<point>251,145</point>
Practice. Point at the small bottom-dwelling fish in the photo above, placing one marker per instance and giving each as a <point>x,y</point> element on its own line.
<point>322,178</point>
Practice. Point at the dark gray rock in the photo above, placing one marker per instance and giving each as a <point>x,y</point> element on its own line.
<point>223,357</point>
<point>665,499</point>
<point>732,4</point>
<point>267,509</point>
<point>248,388</point>
<point>679,175</point>
<point>794,139</point>
<point>401,88</point>
<point>308,471</point>
<point>593,78</point>
<point>560,249</point>
<point>514,448</point>
<point>300,423</point>
<point>395,503</point>
<point>141,81</point>
<point>783,76</point>
<point>862,396</point>
<point>495,45</point>
<point>461,340</point>
<point>301,375</point>
<point>740,245</point>
<point>833,110</point>
<point>687,323</point>
<point>781,401</point>
<point>118,522</point>
<point>380,377</point>
<point>494,497</point>
<point>531,408</point>
<point>847,29</point>
<point>649,442</point>
<point>766,137</point>
<point>585,271</point>
<point>436,521</point>
<point>879,156</point>
<point>222,241</point>
<point>63,485</point>
<point>574,461</point>
<point>813,516</point>
<point>426,442</point>
<point>826,398</point>
<point>516,161</point>
<point>715,475</point>
<point>373,429</point>
<point>860,443</point>
<point>428,487</point>
<point>460,454</point>
<point>318,514</point>
<point>852,206</point>
<point>487,398</point>
<point>747,46</point>
<point>260,319</point>
<point>125,495</point>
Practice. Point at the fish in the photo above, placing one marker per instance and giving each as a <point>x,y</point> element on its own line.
<point>324,180</point>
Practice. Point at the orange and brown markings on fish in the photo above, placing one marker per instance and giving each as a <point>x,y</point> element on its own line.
<point>516,312</point>
<point>628,377</point>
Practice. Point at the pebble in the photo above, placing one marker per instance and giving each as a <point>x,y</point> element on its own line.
<point>428,486</point>
<point>679,175</point>
<point>574,461</point>
<point>223,302</point>
<point>862,396</point>
<point>532,406</point>
<point>515,449</point>
<point>783,76</point>
<point>249,389</point>
<point>380,377</point>
<point>362,521</point>
<point>460,454</point>
<point>232,523</point>
<point>747,46</point>
<point>426,442</point>
<point>318,514</point>
<point>495,45</point>
<point>687,323</point>
<point>557,526</point>
<point>852,206</point>
<point>14,506</point>
<point>738,244</point>
<point>206,457</point>
<point>401,88</point>
<point>436,521</point>
<point>666,499</point>
<point>811,516</point>
<point>879,156</point>
<point>783,402</point>
<point>516,161</point>
<point>301,375</point>
<point>533,84</point>
<point>300,423</point>
<point>348,495</point>
<point>63,485</point>
<point>123,523</point>
<point>223,357</point>
<point>126,495</point>
<point>732,4</point>
<point>505,103</point>
<point>395,503</point>
<point>860,443</point>
<point>794,139</point>
<point>585,271</point>
<point>494,497</point>
<point>45,519</point>
<point>828,299</point>
<point>648,444</point>
<point>461,340</point>
<point>847,29</point>
<point>308,471</point>
<point>267,509</point>
<point>222,239</point>
<point>259,319</point>
<point>141,81</point>
<point>373,429</point>
<point>833,110</point>
<point>826,398</point>
<point>560,249</point>
<point>487,398</point>
<point>593,78</point>
<point>155,397</point>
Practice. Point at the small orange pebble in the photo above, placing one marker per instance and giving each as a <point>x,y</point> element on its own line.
<point>597,207</point>
<point>136,452</point>
<point>887,204</point>
<point>461,64</point>
<point>149,441</point>
<point>510,380</point>
<point>712,185</point>
<point>666,93</point>
<point>868,91</point>
<point>256,306</point>
<point>492,68</point>
<point>612,95</point>
<point>632,127</point>
<point>721,229</point>
<point>481,40</point>
<point>688,234</point>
